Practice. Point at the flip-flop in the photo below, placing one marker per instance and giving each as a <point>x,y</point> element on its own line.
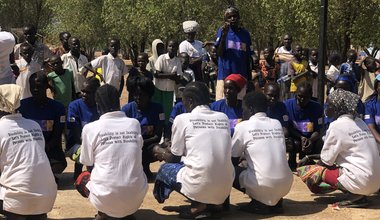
<point>186,214</point>
<point>359,203</point>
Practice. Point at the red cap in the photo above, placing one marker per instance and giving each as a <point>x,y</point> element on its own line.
<point>238,79</point>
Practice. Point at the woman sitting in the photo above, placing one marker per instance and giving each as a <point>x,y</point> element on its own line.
<point>349,159</point>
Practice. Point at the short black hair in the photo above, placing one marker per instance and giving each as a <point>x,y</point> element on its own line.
<point>107,99</point>
<point>256,101</point>
<point>198,92</point>
<point>144,83</point>
<point>307,86</point>
<point>63,33</point>
<point>93,83</point>
<point>335,58</point>
<point>40,75</point>
<point>272,84</point>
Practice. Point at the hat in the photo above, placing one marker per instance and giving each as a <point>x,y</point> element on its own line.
<point>238,79</point>
<point>190,26</point>
<point>10,97</point>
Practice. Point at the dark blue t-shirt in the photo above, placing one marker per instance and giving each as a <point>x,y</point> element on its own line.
<point>79,114</point>
<point>49,116</point>
<point>278,111</point>
<point>372,112</point>
<point>305,120</point>
<point>177,110</point>
<point>234,114</point>
<point>149,119</point>
<point>236,55</point>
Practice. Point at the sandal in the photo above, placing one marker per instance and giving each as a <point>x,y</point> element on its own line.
<point>187,214</point>
<point>256,207</point>
<point>360,202</point>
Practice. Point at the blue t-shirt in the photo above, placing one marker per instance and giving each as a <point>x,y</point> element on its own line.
<point>236,55</point>
<point>79,114</point>
<point>155,116</point>
<point>178,109</point>
<point>372,112</point>
<point>278,111</point>
<point>234,114</point>
<point>49,116</point>
<point>305,120</point>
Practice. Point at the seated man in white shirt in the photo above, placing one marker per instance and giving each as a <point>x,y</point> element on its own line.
<point>113,145</point>
<point>202,138</point>
<point>27,186</point>
<point>268,177</point>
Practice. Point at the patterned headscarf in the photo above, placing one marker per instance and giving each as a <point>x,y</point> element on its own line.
<point>344,102</point>
<point>10,97</point>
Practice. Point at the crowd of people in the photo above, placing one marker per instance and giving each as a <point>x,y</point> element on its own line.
<point>217,115</point>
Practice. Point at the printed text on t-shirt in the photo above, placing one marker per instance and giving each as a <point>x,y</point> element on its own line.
<point>210,123</point>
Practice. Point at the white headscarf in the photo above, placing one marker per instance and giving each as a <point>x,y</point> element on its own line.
<point>10,97</point>
<point>190,26</point>
<point>7,42</point>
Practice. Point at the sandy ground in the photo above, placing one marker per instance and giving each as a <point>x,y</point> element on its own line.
<point>298,204</point>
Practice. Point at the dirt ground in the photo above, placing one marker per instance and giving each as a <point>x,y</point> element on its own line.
<point>298,204</point>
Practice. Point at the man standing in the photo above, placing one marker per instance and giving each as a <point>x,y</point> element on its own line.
<point>41,51</point>
<point>64,47</point>
<point>233,44</point>
<point>74,60</point>
<point>7,42</point>
<point>194,48</point>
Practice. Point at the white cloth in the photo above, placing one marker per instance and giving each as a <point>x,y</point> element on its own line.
<point>27,182</point>
<point>190,26</point>
<point>349,143</point>
<point>70,63</point>
<point>167,66</point>
<point>26,70</point>
<point>314,68</point>
<point>10,97</point>
<point>332,73</point>
<point>7,42</point>
<point>155,55</point>
<point>113,69</point>
<point>113,145</point>
<point>282,49</point>
<point>268,177</point>
<point>203,138</point>
<point>41,52</point>
<point>194,49</point>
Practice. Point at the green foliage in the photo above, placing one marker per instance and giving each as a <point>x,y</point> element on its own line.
<point>139,22</point>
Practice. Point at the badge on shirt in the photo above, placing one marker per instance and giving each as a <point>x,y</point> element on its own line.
<point>320,121</point>
<point>304,126</point>
<point>285,118</point>
<point>72,119</point>
<point>367,116</point>
<point>62,119</point>
<point>234,122</point>
<point>162,116</point>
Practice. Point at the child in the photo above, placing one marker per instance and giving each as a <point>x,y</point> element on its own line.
<point>168,67</point>
<point>186,77</point>
<point>27,67</point>
<point>270,70</point>
<point>313,70</point>
<point>333,71</point>
<point>210,68</point>
<point>142,61</point>
<point>113,68</point>
<point>61,82</point>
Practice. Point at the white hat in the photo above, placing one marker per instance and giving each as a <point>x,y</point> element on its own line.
<point>190,26</point>
<point>10,97</point>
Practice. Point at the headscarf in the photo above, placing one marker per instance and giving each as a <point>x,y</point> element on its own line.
<point>10,97</point>
<point>344,102</point>
<point>238,79</point>
<point>190,26</point>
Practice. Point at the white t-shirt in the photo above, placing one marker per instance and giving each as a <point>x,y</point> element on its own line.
<point>23,79</point>
<point>113,145</point>
<point>70,63</point>
<point>167,66</point>
<point>113,69</point>
<point>349,143</point>
<point>194,49</point>
<point>7,42</point>
<point>332,73</point>
<point>268,177</point>
<point>27,182</point>
<point>202,137</point>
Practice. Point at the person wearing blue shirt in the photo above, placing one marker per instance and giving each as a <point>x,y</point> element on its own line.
<point>233,44</point>
<point>372,111</point>
<point>231,106</point>
<point>150,115</point>
<point>50,115</point>
<point>276,109</point>
<point>81,112</point>
<point>178,109</point>
<point>306,121</point>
